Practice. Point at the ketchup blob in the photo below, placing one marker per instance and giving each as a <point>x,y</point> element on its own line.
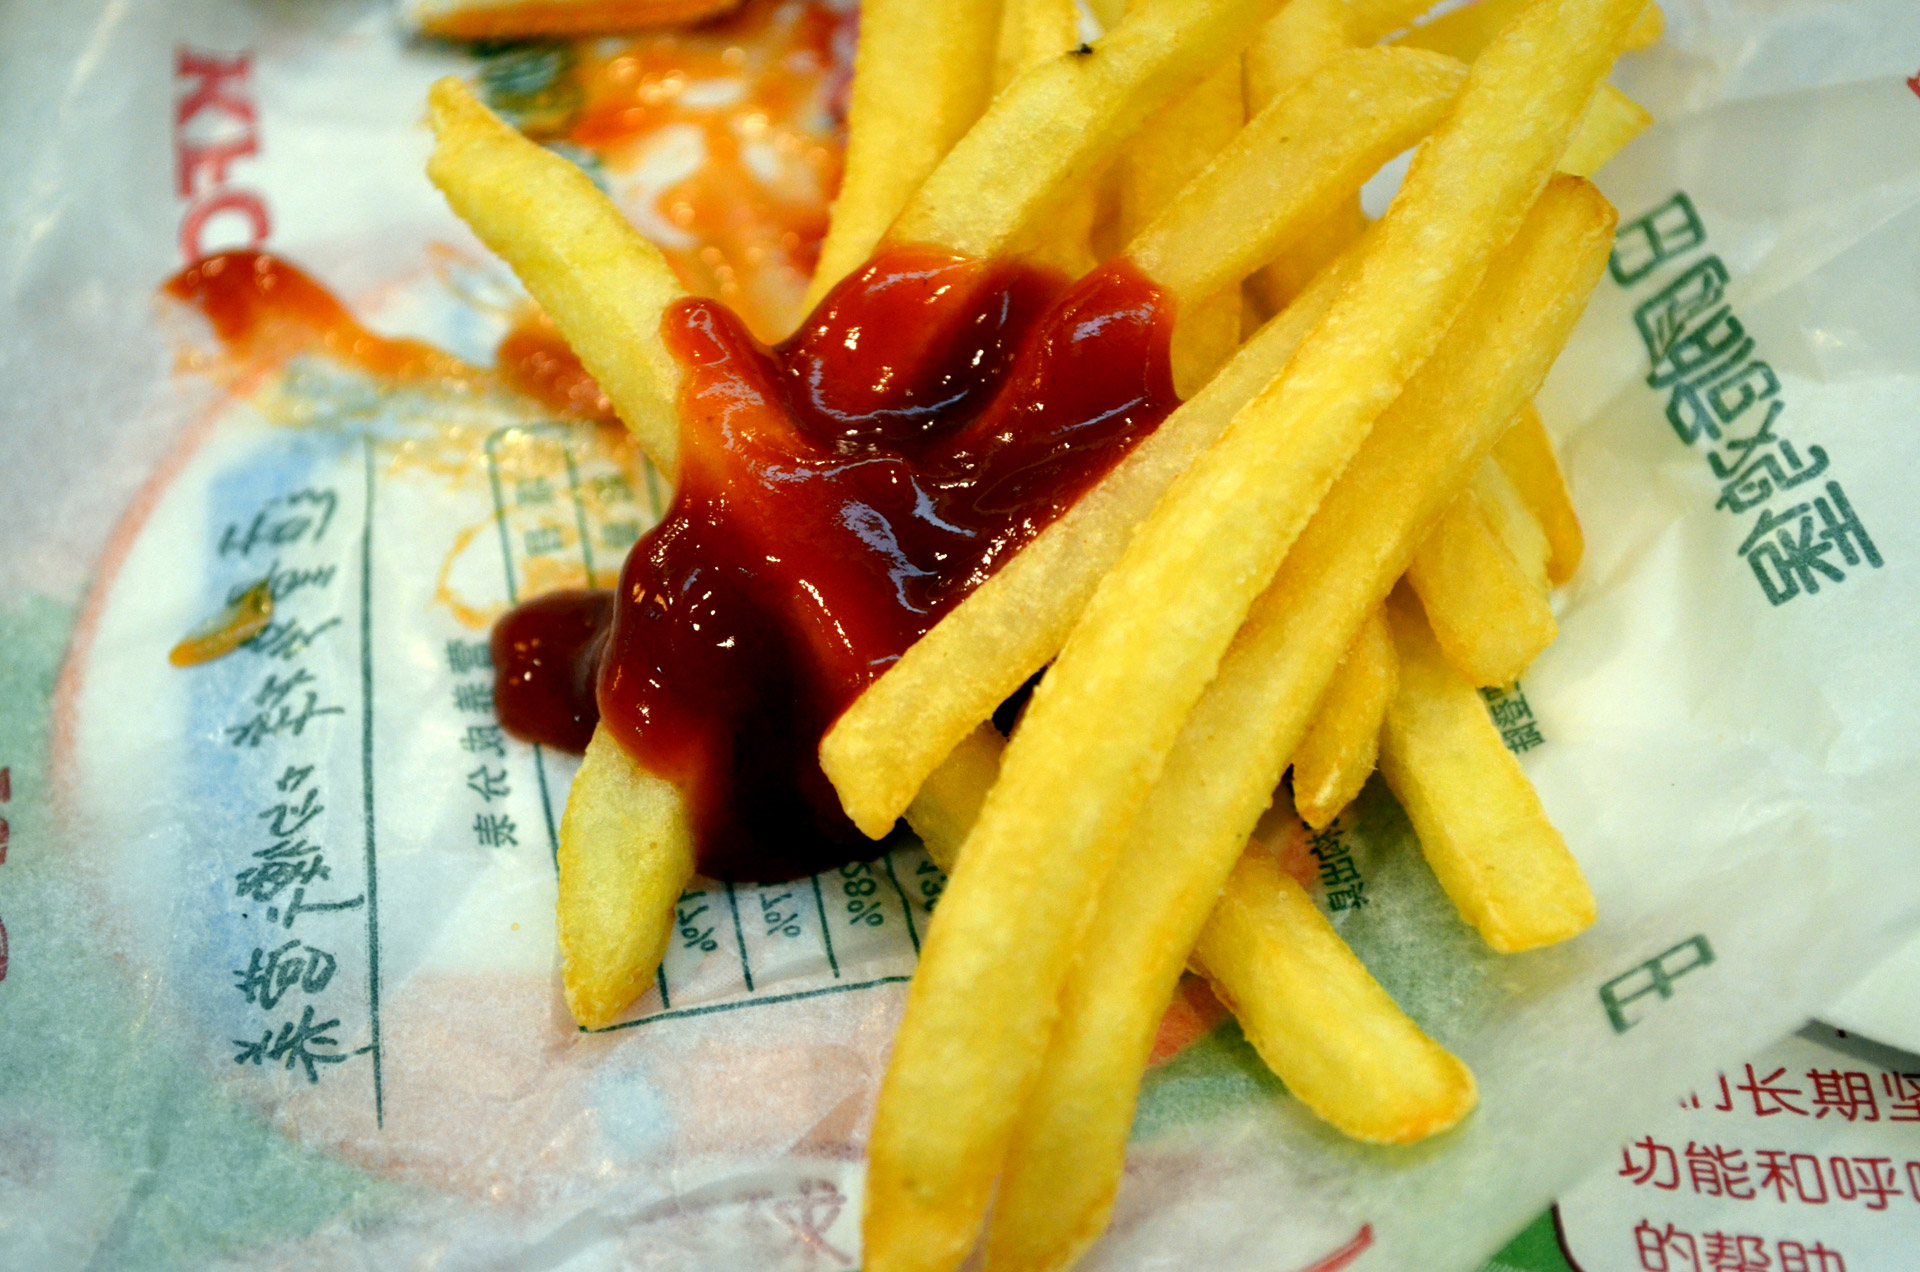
<point>839,493</point>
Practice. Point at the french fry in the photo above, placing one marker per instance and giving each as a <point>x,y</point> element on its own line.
<point>1061,122</point>
<point>1292,166</point>
<point>1319,1018</point>
<point>626,853</point>
<point>1512,520</point>
<point>1491,620</point>
<point>922,73</point>
<point>1231,749</point>
<point>948,805</point>
<point>1169,152</point>
<point>1176,145</point>
<point>524,19</point>
<point>1337,756</point>
<point>1325,1026</point>
<point>1647,30</point>
<point>1464,31</point>
<point>884,746</point>
<point>1612,120</point>
<point>1032,32</point>
<point>896,733</point>
<point>1308,1005</point>
<point>1282,278</point>
<point>1482,577</point>
<point>1295,43</point>
<point>1479,821</point>
<point>1526,452</point>
<point>603,284</point>
<point>1370,21</point>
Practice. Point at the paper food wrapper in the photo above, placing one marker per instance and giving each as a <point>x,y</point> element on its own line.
<point>280,980</point>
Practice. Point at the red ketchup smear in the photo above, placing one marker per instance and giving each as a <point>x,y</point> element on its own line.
<point>262,307</point>
<point>839,493</point>
<point>535,359</point>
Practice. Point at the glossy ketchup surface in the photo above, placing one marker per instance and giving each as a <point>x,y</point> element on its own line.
<point>839,493</point>
<point>547,654</point>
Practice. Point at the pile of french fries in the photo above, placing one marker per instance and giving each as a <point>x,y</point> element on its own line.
<point>1350,525</point>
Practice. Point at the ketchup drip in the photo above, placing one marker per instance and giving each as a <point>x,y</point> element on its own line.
<point>263,307</point>
<point>535,359</point>
<point>839,493</point>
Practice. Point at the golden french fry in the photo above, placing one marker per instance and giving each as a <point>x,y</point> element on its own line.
<point>1337,756</point>
<point>983,1001</point>
<point>626,853</point>
<point>922,73</point>
<point>1319,1019</point>
<point>1283,278</point>
<point>603,285</point>
<point>1298,41</point>
<point>1061,122</point>
<point>1370,21</point>
<point>524,19</point>
<point>1204,337</point>
<point>1031,31</point>
<point>1302,997</point>
<point>1526,452</point>
<point>1286,973</point>
<point>1512,520</point>
<point>1480,822</point>
<point>1293,45</point>
<point>1464,31</point>
<point>1646,32</point>
<point>1176,145</point>
<point>1291,167</point>
<point>895,734</point>
<point>1612,120</point>
<point>1169,152</point>
<point>1482,577</point>
<point>1490,621</point>
<point>947,806</point>
<point>1220,772</point>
